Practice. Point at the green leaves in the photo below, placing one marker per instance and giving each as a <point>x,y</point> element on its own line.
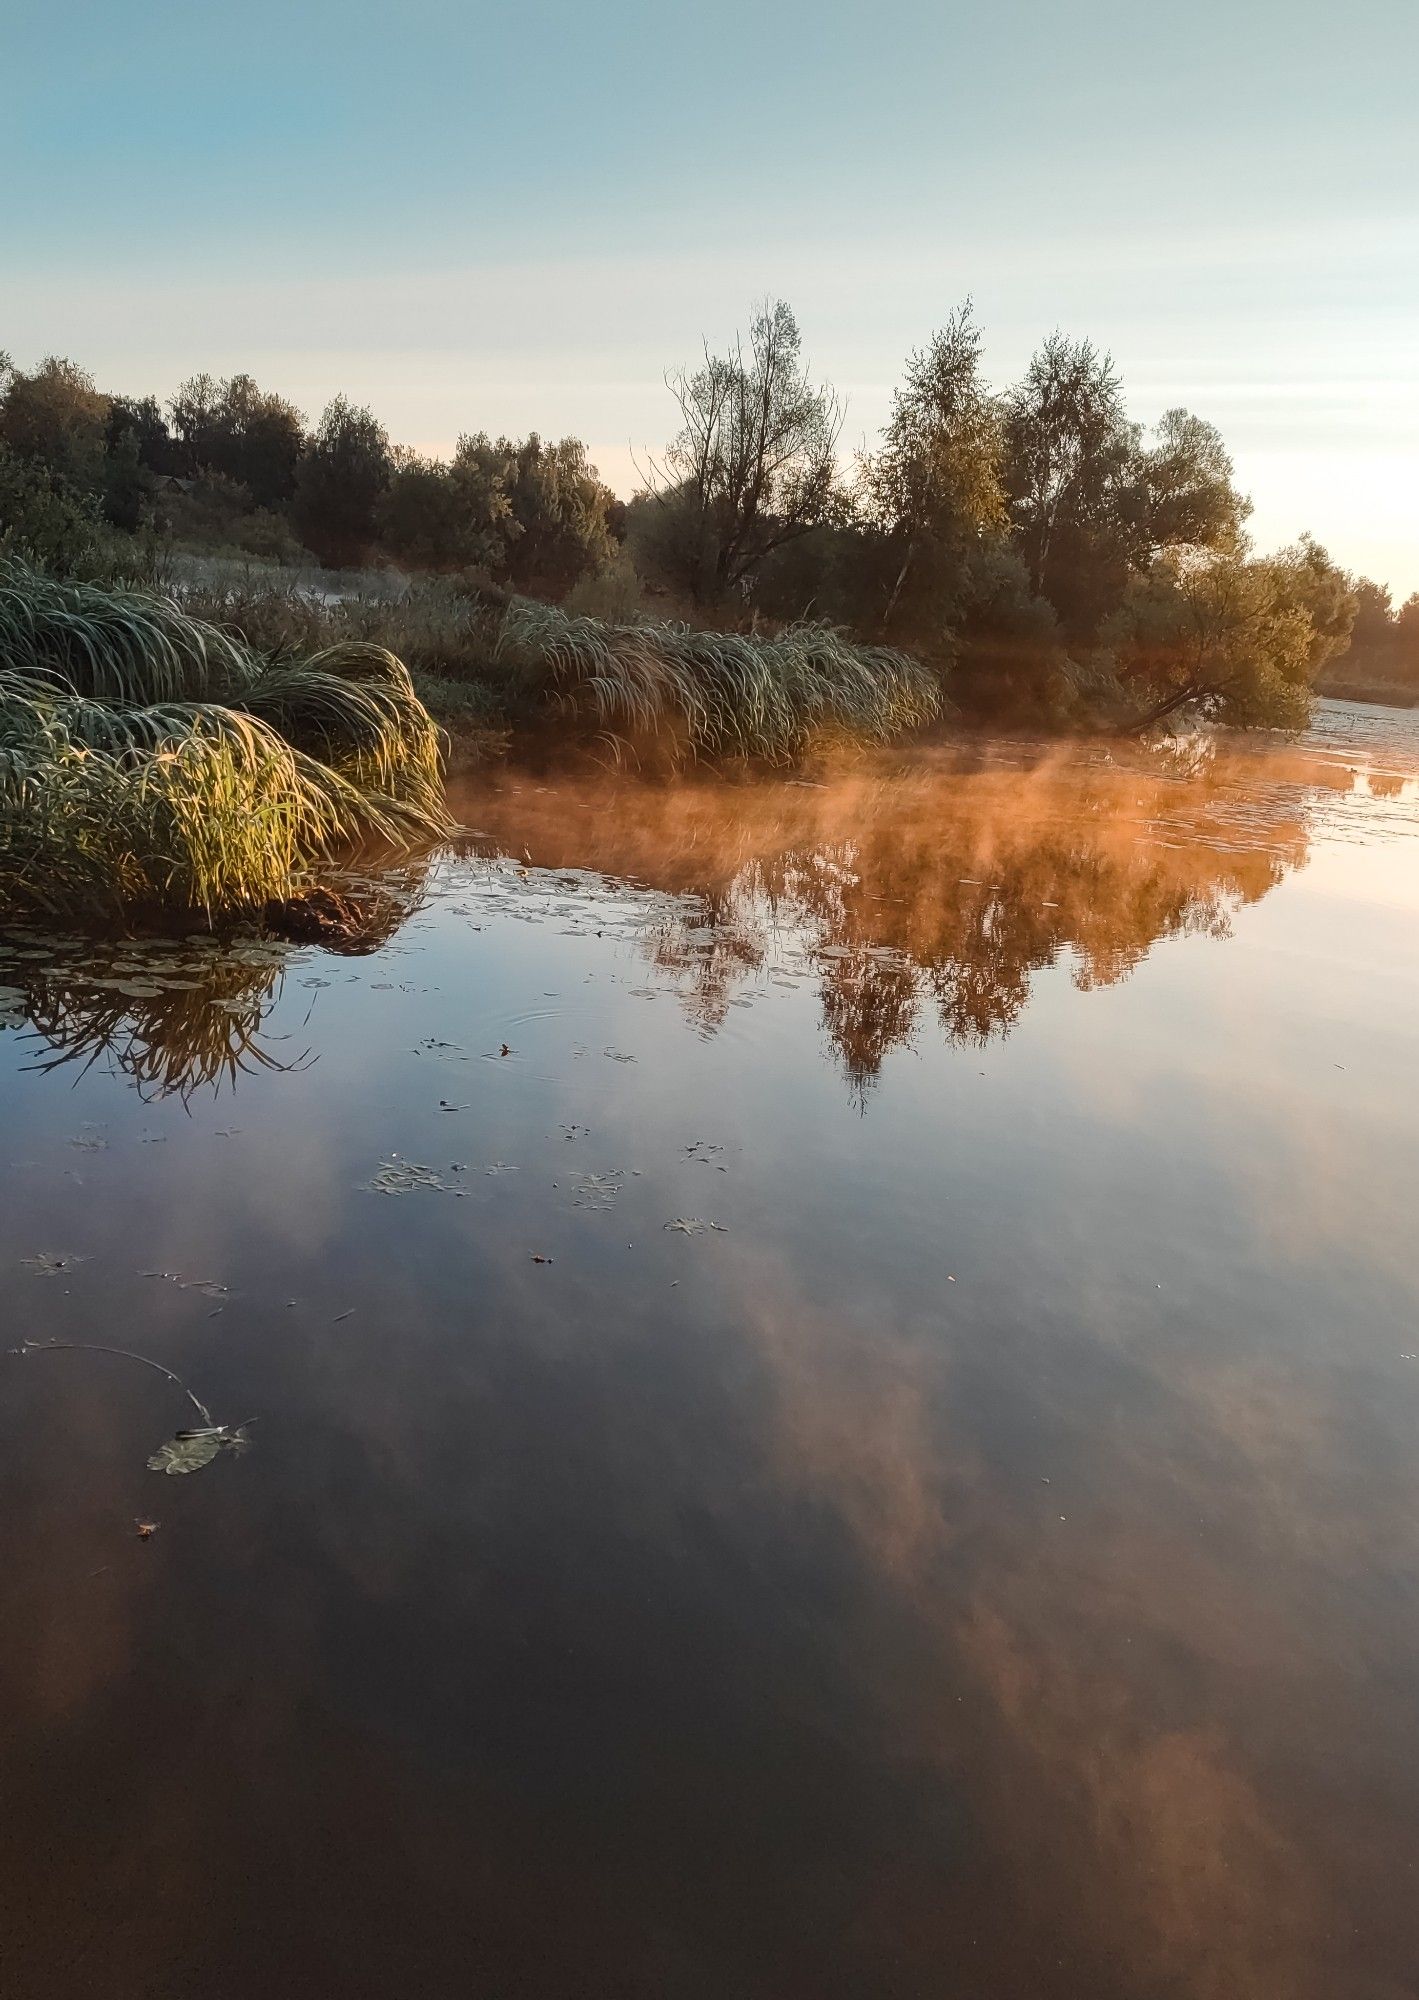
<point>727,693</point>
<point>189,1451</point>
<point>150,760</point>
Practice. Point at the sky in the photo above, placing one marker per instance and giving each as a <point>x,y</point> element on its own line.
<point>519,216</point>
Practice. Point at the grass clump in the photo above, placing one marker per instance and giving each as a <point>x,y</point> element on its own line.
<point>151,761</point>
<point>717,693</point>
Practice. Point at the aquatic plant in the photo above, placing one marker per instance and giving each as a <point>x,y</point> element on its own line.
<point>723,693</point>
<point>149,760</point>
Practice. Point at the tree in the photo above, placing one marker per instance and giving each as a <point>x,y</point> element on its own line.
<point>753,465</point>
<point>241,431</point>
<point>554,525</point>
<point>1092,501</point>
<point>43,518</point>
<point>933,491</point>
<point>342,479</point>
<point>1406,639</point>
<point>1186,498</point>
<point>123,486</point>
<point>1239,639</point>
<point>58,416</point>
<point>434,516</point>
<point>141,418</point>
<point>1069,450</point>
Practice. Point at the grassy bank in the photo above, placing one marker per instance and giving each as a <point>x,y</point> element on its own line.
<point>154,761</point>
<point>487,665</point>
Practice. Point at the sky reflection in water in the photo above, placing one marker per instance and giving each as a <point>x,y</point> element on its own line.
<point>979,1560</point>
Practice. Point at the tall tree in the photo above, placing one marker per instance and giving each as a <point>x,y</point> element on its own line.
<point>242,431</point>
<point>933,491</point>
<point>753,464</point>
<point>1185,491</point>
<point>56,415</point>
<point>342,480</point>
<point>1069,447</point>
<point>555,527</point>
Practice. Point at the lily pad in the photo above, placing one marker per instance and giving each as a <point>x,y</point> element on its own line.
<point>189,1451</point>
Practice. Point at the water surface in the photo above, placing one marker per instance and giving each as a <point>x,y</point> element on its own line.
<point>834,1392</point>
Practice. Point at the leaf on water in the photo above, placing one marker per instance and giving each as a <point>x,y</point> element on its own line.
<point>185,1454</point>
<point>398,1176</point>
<point>49,1263</point>
<point>597,1191</point>
<point>189,1451</point>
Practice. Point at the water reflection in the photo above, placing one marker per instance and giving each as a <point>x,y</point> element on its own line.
<point>932,892</point>
<point>173,1016</point>
<point>983,1566</point>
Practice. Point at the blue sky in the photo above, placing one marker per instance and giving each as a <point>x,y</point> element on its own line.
<point>517,216</point>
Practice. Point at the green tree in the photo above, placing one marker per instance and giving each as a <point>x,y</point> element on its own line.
<point>555,526</point>
<point>1069,453</point>
<point>933,490</point>
<point>437,516</point>
<point>1185,496</point>
<point>1237,639</point>
<point>343,477</point>
<point>123,485</point>
<point>52,524</point>
<point>753,465</point>
<point>241,431</point>
<point>58,416</point>
<point>141,418</point>
<point>1092,500</point>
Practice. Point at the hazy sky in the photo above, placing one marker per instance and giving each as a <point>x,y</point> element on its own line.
<point>516,217</point>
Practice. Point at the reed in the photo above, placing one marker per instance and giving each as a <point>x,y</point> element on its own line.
<point>151,761</point>
<point>722,693</point>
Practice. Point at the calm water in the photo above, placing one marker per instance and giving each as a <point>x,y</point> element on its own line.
<point>942,1521</point>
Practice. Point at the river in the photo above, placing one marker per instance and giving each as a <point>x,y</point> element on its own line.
<point>830,1373</point>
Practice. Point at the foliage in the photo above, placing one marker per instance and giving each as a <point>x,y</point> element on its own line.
<point>548,514</point>
<point>1383,654</point>
<point>434,518</point>
<point>1090,501</point>
<point>754,462</point>
<point>45,519</point>
<point>1240,640</point>
<point>240,431</point>
<point>932,492</point>
<point>716,693</point>
<point>58,416</point>
<point>341,483</point>
<point>150,761</point>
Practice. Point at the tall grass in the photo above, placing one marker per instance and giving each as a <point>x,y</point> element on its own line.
<point>150,760</point>
<point>722,693</point>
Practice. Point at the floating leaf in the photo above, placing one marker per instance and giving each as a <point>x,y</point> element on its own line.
<point>186,1454</point>
<point>49,1263</point>
<point>398,1176</point>
<point>189,1451</point>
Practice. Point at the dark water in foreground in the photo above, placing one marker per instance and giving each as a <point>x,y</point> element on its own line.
<point>976,1552</point>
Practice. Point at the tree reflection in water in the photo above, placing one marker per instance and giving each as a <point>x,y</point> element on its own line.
<point>938,887</point>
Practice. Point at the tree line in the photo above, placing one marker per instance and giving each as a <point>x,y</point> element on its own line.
<point>1050,556</point>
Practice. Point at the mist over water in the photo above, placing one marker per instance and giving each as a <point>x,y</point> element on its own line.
<point>833,1393</point>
